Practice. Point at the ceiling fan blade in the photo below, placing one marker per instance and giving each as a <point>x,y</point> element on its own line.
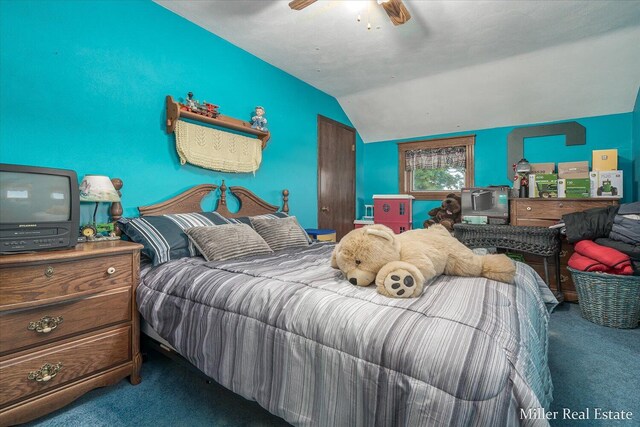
<point>396,10</point>
<point>300,4</point>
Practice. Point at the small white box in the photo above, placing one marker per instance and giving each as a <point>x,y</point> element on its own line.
<point>606,183</point>
<point>562,187</point>
<point>593,181</point>
<point>533,190</point>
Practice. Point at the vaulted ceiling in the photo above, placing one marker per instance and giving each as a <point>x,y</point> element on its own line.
<point>456,65</point>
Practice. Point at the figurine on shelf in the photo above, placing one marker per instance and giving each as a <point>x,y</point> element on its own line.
<point>209,110</point>
<point>190,103</point>
<point>259,121</point>
<point>194,106</point>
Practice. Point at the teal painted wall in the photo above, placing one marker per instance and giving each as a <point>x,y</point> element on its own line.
<point>636,148</point>
<point>611,131</point>
<point>82,86</point>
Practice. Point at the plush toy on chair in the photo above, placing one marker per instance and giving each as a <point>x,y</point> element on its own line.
<point>448,213</point>
<point>400,264</point>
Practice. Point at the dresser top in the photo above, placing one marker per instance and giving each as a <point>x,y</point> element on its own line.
<point>81,250</point>
<point>566,199</point>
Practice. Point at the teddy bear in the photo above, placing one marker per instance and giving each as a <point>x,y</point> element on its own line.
<point>400,264</point>
<point>448,213</point>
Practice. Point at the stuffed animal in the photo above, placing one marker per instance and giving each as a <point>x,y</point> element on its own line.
<point>400,264</point>
<point>447,214</point>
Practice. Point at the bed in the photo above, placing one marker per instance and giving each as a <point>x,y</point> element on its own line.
<point>288,331</point>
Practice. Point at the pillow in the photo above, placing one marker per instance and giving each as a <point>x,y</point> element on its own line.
<point>247,219</point>
<point>227,241</point>
<point>275,215</point>
<point>280,233</point>
<point>163,236</point>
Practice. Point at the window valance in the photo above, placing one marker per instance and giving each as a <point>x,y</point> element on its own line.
<point>436,158</point>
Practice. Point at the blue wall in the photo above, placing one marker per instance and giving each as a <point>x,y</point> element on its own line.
<point>636,148</point>
<point>83,84</point>
<point>611,131</point>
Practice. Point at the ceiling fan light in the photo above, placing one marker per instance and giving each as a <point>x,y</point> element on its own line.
<point>383,1</point>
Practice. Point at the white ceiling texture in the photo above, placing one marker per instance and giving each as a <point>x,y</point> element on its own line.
<point>456,65</point>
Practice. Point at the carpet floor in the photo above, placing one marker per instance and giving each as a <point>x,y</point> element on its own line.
<point>592,367</point>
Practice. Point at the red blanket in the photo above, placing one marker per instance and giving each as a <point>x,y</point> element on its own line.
<point>590,256</point>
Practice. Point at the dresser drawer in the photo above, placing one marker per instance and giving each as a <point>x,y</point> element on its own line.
<point>555,208</point>
<point>539,210</point>
<point>568,288</point>
<point>76,359</point>
<point>31,283</point>
<point>23,328</point>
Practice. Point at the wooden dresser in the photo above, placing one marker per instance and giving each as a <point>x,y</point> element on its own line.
<point>68,323</point>
<point>545,212</point>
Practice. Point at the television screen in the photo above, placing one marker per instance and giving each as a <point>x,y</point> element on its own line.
<point>32,197</point>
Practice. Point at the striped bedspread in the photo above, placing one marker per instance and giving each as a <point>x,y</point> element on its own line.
<point>287,331</point>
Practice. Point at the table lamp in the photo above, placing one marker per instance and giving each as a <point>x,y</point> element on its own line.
<point>97,188</point>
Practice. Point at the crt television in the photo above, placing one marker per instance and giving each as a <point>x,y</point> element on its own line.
<point>39,208</point>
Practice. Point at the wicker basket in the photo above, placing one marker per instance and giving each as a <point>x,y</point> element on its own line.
<point>608,299</point>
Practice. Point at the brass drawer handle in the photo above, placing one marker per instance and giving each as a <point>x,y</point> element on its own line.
<point>45,324</point>
<point>111,270</point>
<point>46,373</point>
<point>49,271</point>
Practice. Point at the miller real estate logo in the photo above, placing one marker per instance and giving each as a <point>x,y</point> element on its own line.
<point>571,414</point>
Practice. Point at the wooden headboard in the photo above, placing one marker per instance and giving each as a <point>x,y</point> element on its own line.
<point>191,199</point>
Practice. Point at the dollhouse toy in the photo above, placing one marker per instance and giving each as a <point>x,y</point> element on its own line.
<point>393,210</point>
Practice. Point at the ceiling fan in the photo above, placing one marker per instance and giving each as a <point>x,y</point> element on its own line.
<point>396,10</point>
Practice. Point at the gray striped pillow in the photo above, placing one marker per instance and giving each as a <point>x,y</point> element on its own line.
<point>227,241</point>
<point>280,233</point>
<point>163,236</point>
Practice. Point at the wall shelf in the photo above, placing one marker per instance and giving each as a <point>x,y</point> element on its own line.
<point>174,113</point>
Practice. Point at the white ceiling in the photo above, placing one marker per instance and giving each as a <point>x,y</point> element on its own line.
<point>456,65</point>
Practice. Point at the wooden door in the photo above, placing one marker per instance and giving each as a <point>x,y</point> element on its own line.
<point>336,176</point>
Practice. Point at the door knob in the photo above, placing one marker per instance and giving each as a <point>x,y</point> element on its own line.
<point>324,209</point>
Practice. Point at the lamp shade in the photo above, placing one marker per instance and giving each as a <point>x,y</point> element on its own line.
<point>97,188</point>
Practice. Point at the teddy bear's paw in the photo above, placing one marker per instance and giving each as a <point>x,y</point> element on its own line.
<point>400,283</point>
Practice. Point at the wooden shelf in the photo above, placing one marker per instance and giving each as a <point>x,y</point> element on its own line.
<point>174,113</point>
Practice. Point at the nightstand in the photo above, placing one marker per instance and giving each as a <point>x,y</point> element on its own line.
<point>359,223</point>
<point>321,235</point>
<point>69,324</point>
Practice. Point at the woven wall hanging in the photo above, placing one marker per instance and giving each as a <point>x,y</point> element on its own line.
<point>217,150</point>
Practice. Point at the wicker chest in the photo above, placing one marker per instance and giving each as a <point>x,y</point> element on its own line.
<point>545,212</point>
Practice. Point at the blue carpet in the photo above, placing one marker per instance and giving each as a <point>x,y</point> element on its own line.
<point>169,395</point>
<point>591,365</point>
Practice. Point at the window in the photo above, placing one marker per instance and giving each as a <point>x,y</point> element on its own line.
<point>431,169</point>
